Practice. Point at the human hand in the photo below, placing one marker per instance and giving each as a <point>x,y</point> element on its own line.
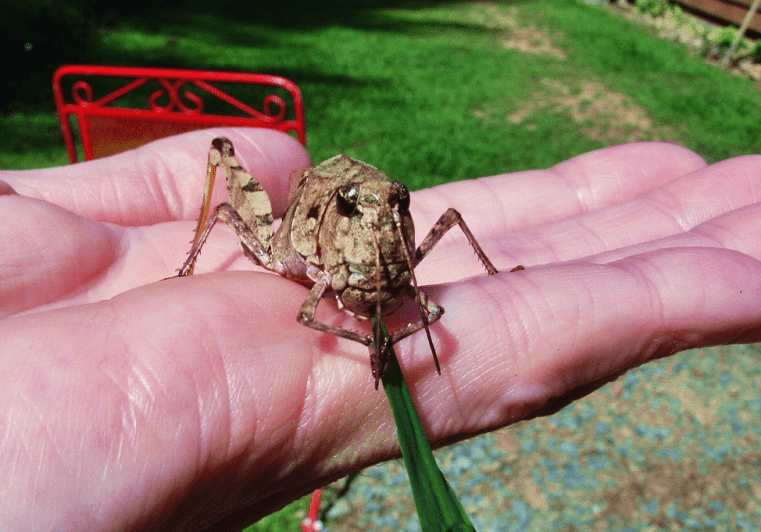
<point>200,403</point>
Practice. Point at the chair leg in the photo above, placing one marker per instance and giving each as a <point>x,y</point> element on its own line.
<point>312,523</point>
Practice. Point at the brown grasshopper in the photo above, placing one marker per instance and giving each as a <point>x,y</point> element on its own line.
<point>347,231</point>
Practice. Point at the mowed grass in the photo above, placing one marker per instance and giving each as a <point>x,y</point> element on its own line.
<point>449,92</point>
<point>433,93</point>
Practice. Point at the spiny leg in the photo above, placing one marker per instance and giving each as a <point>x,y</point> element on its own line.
<point>432,314</point>
<point>248,239</point>
<point>378,354</point>
<point>447,221</point>
<point>211,175</point>
<point>249,212</point>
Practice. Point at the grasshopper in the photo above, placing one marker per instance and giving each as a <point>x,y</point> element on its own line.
<point>347,231</point>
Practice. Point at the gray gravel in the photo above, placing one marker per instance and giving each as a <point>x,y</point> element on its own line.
<point>673,445</point>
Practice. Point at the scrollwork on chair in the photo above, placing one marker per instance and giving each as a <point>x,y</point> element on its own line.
<point>107,124</point>
<point>175,100</point>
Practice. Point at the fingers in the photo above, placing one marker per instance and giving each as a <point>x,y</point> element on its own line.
<point>48,252</point>
<point>511,343</point>
<point>173,401</point>
<point>589,182</point>
<point>737,230</point>
<point>163,180</point>
<point>53,257</point>
<point>518,218</point>
<point>189,385</point>
<point>647,206</point>
<point>202,382</point>
<point>6,189</point>
<point>671,209</point>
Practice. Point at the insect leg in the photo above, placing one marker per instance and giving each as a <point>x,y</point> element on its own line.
<point>247,196</point>
<point>308,308</point>
<point>447,221</point>
<point>211,175</point>
<point>423,304</point>
<point>248,239</point>
<point>306,317</point>
<point>432,314</point>
<point>249,211</point>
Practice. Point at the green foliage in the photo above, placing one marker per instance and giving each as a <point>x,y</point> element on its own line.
<point>680,17</point>
<point>31,140</point>
<point>721,38</point>
<point>655,8</point>
<point>287,519</point>
<point>35,37</point>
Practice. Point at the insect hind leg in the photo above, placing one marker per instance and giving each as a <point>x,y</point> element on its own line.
<point>248,238</point>
<point>249,211</point>
<point>247,197</point>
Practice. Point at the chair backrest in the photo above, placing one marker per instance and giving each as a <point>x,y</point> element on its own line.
<point>119,108</point>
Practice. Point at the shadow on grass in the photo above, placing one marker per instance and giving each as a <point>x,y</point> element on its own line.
<point>23,134</point>
<point>26,114</point>
<point>248,25</point>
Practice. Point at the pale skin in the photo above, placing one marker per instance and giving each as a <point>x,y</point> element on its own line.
<point>131,403</point>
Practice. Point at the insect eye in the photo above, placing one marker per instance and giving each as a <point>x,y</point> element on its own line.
<point>347,199</point>
<point>403,195</point>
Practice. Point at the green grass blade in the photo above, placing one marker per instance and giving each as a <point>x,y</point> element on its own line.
<point>437,506</point>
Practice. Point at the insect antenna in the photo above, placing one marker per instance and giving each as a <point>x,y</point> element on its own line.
<point>411,265</point>
<point>380,362</point>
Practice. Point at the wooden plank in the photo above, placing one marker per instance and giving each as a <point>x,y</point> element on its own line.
<point>744,3</point>
<point>732,12</point>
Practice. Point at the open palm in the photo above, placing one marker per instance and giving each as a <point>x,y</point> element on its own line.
<point>129,402</point>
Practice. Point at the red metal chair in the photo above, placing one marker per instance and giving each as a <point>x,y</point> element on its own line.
<point>119,108</point>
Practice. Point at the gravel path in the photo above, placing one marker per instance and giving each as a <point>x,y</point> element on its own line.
<point>673,445</point>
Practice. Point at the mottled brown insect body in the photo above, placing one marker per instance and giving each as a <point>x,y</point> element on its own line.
<point>347,231</point>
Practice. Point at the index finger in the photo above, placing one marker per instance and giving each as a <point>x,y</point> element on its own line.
<point>163,180</point>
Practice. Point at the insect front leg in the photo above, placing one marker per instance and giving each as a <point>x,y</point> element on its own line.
<point>429,310</point>
<point>378,356</point>
<point>432,314</point>
<point>447,221</point>
<point>309,307</point>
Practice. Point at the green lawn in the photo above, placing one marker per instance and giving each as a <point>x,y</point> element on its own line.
<point>286,520</point>
<point>448,92</point>
<point>438,92</point>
